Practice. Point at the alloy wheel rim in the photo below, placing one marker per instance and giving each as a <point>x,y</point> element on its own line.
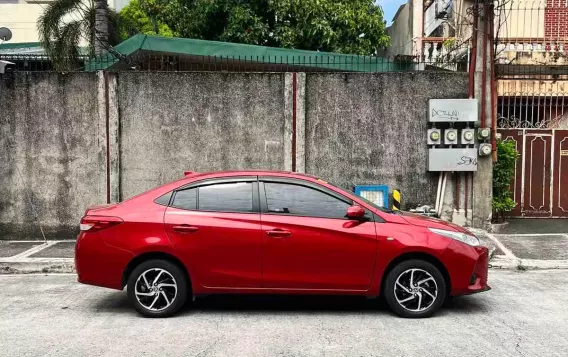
<point>155,289</point>
<point>415,290</point>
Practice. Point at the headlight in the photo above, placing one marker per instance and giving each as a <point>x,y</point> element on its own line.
<point>462,237</point>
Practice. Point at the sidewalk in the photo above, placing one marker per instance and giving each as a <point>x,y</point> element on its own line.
<point>522,251</point>
<point>516,251</point>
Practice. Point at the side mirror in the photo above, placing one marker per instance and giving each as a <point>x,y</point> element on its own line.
<point>355,212</point>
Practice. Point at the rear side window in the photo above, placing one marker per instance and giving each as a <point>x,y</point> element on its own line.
<point>303,201</point>
<point>226,197</point>
<point>186,199</point>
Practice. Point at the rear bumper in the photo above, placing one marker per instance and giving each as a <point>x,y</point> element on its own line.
<point>98,263</point>
<point>467,267</point>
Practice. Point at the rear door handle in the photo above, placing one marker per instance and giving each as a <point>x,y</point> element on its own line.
<point>184,228</point>
<point>279,233</point>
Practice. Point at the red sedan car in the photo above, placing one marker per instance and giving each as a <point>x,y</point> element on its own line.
<point>273,232</point>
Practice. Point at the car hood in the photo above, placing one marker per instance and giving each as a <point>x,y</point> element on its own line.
<point>430,222</point>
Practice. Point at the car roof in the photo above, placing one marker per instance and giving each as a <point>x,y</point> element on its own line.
<point>194,175</point>
<point>191,177</point>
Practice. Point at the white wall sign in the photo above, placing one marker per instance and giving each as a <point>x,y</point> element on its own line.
<point>452,159</point>
<point>452,110</point>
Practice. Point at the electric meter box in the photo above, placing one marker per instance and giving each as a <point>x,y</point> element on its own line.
<point>450,137</point>
<point>434,136</point>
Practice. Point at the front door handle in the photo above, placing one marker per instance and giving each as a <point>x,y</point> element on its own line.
<point>184,228</point>
<point>279,233</point>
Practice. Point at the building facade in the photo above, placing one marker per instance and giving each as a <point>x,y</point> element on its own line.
<point>21,16</point>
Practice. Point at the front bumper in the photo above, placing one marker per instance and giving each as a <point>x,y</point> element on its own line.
<point>468,268</point>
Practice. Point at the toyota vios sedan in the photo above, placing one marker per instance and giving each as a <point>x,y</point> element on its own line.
<point>273,232</point>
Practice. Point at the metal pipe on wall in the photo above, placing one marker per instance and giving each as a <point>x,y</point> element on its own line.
<point>443,192</point>
<point>484,75</point>
<point>493,84</point>
<point>438,192</point>
<point>457,202</point>
<point>466,189</point>
<point>472,61</point>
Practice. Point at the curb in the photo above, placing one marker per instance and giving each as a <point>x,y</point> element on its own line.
<point>24,263</point>
<point>62,265</point>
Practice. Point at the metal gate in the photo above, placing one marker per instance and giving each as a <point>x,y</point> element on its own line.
<point>540,185</point>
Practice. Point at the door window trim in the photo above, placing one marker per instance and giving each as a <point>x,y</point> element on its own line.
<point>298,182</point>
<point>222,180</point>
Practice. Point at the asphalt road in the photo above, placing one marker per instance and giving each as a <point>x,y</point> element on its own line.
<point>526,314</point>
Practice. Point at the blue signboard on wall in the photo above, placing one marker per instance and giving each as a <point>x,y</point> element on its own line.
<point>378,194</point>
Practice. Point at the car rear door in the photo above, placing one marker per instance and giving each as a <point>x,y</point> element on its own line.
<point>308,242</point>
<point>215,225</point>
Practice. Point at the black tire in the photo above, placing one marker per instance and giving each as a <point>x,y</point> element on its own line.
<point>403,268</point>
<point>152,268</point>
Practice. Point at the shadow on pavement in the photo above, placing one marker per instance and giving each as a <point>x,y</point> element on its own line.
<point>117,302</point>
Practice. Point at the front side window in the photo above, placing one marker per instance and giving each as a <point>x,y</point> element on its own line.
<point>226,197</point>
<point>303,201</point>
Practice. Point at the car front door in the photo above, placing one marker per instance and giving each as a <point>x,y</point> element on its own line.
<point>308,242</point>
<point>216,228</point>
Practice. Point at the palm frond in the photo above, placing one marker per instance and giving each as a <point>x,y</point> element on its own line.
<point>68,46</point>
<point>61,38</point>
<point>50,21</point>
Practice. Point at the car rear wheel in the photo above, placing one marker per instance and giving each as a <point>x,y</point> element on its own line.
<point>157,288</point>
<point>414,288</point>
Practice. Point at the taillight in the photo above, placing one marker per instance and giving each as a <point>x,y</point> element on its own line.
<point>97,223</point>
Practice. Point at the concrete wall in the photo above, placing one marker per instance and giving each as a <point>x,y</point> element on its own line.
<point>51,153</point>
<point>171,122</point>
<point>370,129</point>
<point>61,133</point>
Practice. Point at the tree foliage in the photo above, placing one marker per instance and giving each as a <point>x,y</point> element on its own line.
<point>143,16</point>
<point>503,174</point>
<point>342,26</point>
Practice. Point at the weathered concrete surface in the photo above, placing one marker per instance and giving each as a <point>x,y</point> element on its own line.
<point>351,129</point>
<point>10,249</point>
<point>536,225</point>
<point>371,129</point>
<point>540,247</point>
<point>524,315</point>
<point>171,122</point>
<point>482,187</point>
<point>58,250</point>
<point>50,154</point>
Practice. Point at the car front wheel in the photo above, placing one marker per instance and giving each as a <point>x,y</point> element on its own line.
<point>415,288</point>
<point>157,288</point>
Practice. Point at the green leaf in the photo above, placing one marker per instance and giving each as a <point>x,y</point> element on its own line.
<point>503,176</point>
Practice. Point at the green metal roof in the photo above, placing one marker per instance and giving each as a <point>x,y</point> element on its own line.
<point>21,48</point>
<point>242,52</point>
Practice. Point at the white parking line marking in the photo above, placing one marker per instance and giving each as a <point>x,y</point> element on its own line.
<point>504,249</point>
<point>32,250</point>
<point>35,274</point>
<point>531,234</point>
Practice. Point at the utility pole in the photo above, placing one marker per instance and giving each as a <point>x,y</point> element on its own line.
<point>482,195</point>
<point>101,26</point>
